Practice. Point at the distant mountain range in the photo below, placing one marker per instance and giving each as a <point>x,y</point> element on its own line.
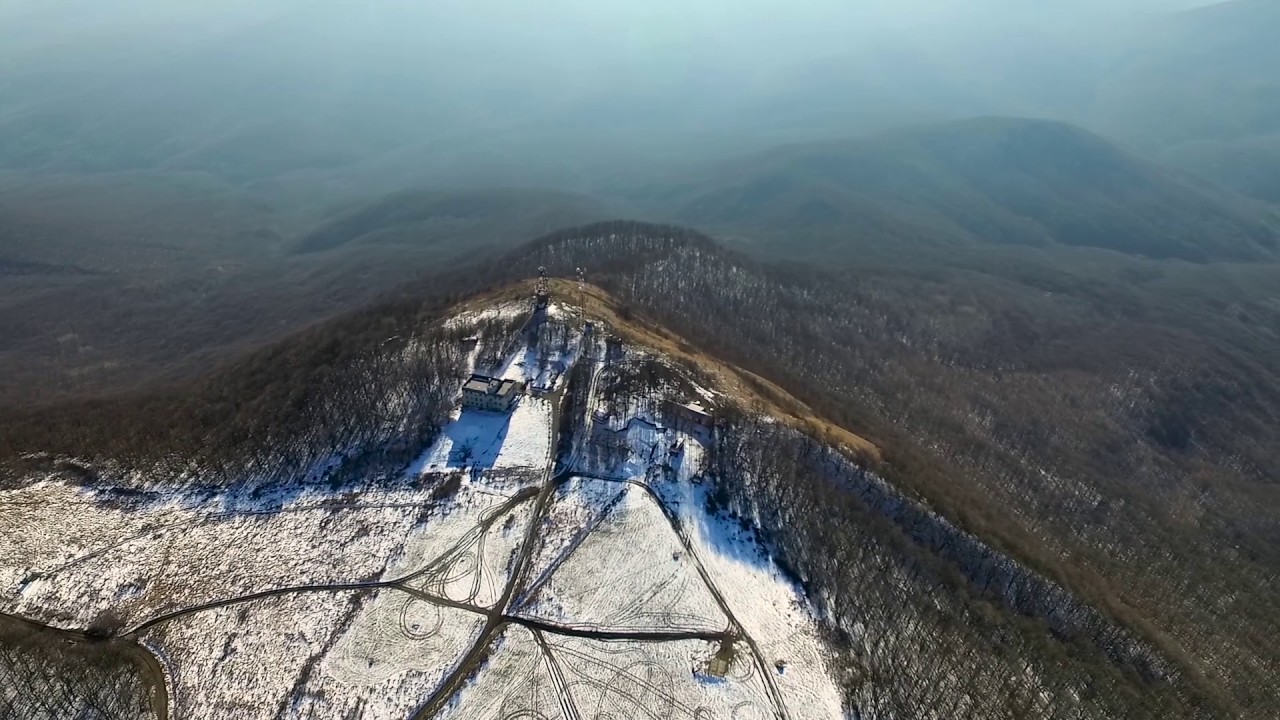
<point>1199,90</point>
<point>1204,74</point>
<point>992,180</point>
<point>282,97</point>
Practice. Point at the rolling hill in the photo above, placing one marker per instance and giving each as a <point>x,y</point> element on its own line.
<point>458,220</point>
<point>1249,166</point>
<point>1204,74</point>
<point>1198,90</point>
<point>1001,181</point>
<point>128,279</point>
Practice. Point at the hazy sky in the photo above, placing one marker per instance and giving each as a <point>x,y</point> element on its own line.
<point>628,26</point>
<point>136,79</point>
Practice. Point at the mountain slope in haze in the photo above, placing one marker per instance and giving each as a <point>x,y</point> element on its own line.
<point>1199,75</point>
<point>1099,424</point>
<point>1199,90</point>
<point>439,217</point>
<point>131,223</point>
<point>120,281</point>
<point>1042,406</point>
<point>1009,181</point>
<point>1249,166</point>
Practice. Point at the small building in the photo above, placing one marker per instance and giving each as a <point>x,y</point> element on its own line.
<point>688,417</point>
<point>491,394</point>
<point>722,662</point>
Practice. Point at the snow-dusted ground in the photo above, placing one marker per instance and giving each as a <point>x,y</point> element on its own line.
<point>659,679</point>
<point>543,369</point>
<point>505,312</point>
<point>435,554</point>
<point>629,573</point>
<point>477,568</point>
<point>495,445</point>
<point>770,608</point>
<point>209,559</point>
<point>391,657</point>
<point>244,661</point>
<point>513,683</point>
<point>552,676</point>
<point>49,524</point>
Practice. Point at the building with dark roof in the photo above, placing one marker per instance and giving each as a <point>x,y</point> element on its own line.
<point>688,417</point>
<point>482,392</point>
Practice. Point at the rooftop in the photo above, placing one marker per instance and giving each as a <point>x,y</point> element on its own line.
<point>489,385</point>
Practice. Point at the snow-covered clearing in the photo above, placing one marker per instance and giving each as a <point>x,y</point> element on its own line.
<point>201,561</point>
<point>530,675</point>
<point>244,661</point>
<point>629,573</point>
<point>660,680</point>
<point>391,656</point>
<point>504,312</point>
<point>770,608</point>
<point>364,601</point>
<point>577,508</point>
<point>543,364</point>
<point>48,524</point>
<point>514,682</point>
<point>476,568</point>
<point>507,452</point>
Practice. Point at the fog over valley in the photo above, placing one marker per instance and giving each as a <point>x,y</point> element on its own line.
<point>575,94</point>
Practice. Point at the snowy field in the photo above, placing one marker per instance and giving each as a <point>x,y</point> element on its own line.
<point>544,368</point>
<point>659,679</point>
<point>532,675</point>
<point>504,312</point>
<point>508,452</point>
<point>769,607</point>
<point>208,559</point>
<point>513,683</point>
<point>629,573</point>
<point>631,601</point>
<point>244,661</point>
<point>394,654</point>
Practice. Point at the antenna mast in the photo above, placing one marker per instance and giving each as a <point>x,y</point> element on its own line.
<point>543,296</point>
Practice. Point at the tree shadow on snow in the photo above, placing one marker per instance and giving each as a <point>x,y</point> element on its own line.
<point>474,440</point>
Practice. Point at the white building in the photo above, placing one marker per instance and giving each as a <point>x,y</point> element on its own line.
<point>482,392</point>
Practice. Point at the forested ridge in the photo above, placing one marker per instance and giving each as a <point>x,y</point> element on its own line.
<point>1121,450</point>
<point>1109,440</point>
<point>361,394</point>
<point>926,619</point>
<point>979,182</point>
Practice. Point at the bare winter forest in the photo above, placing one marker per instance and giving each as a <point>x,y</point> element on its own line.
<point>1039,508</point>
<point>907,360</point>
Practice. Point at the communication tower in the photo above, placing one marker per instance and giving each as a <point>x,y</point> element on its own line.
<point>543,295</point>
